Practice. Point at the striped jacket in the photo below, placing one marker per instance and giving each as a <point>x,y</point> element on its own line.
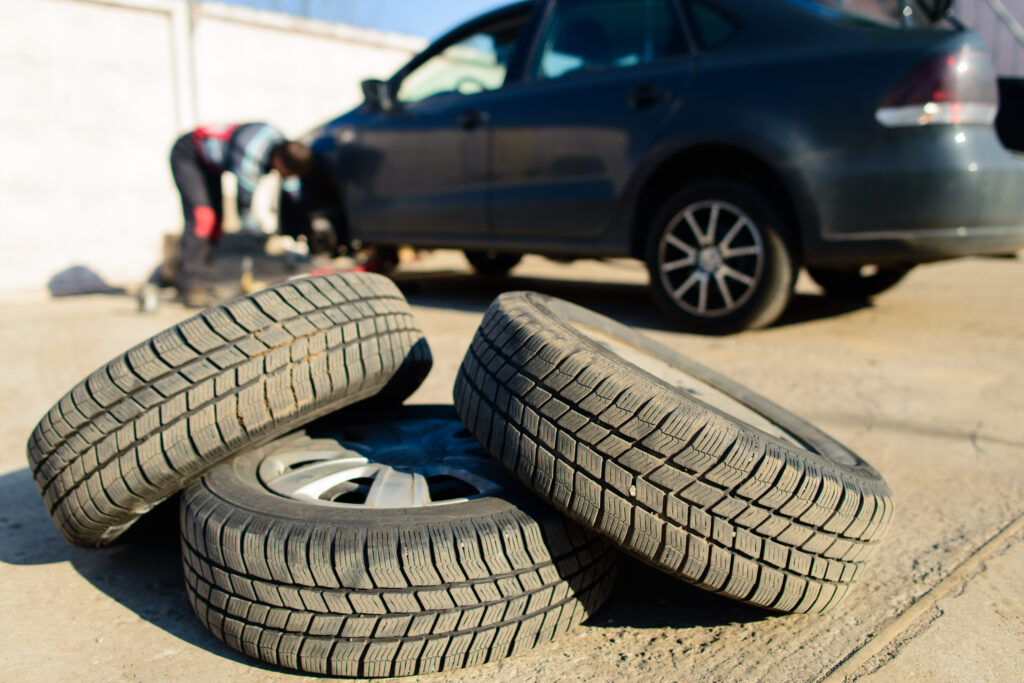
<point>242,149</point>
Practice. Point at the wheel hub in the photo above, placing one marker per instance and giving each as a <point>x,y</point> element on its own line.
<point>709,259</point>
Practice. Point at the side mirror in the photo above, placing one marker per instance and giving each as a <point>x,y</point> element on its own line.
<point>378,94</point>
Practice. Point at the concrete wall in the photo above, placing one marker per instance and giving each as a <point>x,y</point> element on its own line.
<point>96,91</point>
<point>1007,52</point>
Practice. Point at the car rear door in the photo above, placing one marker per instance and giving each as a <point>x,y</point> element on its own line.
<point>603,79</point>
<point>422,171</point>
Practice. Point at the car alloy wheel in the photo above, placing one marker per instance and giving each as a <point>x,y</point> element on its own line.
<point>711,258</point>
<point>384,465</point>
<point>718,258</point>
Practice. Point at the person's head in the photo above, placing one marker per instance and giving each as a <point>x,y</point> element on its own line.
<point>291,159</point>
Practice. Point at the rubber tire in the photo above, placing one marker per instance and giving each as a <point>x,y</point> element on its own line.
<point>492,265</point>
<point>775,289</point>
<point>143,426</point>
<point>850,285</point>
<point>684,487</point>
<point>372,593</point>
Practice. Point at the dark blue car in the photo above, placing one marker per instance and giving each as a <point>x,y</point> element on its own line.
<point>725,143</point>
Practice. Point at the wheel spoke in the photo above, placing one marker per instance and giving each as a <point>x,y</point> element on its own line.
<point>727,271</point>
<point>678,263</point>
<point>709,236</point>
<point>396,489</point>
<point>686,286</point>
<point>694,228</point>
<point>680,245</point>
<point>723,288</point>
<point>702,297</point>
<point>312,481</point>
<point>752,250</point>
<point>731,235</point>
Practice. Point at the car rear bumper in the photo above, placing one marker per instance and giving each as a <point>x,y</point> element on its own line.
<point>919,195</point>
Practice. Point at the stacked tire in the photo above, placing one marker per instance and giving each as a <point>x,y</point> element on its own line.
<point>327,528</point>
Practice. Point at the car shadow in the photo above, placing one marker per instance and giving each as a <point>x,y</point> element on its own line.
<point>628,303</point>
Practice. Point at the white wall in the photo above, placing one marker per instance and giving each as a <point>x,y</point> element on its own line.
<point>96,91</point>
<point>1006,50</point>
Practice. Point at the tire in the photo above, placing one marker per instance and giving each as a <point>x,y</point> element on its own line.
<point>855,284</point>
<point>675,464</point>
<point>492,263</point>
<point>351,590</point>
<point>717,281</point>
<point>150,421</point>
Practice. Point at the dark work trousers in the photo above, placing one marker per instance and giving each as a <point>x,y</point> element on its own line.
<point>202,206</point>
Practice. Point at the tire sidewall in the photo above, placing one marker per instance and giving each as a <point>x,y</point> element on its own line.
<point>778,274</point>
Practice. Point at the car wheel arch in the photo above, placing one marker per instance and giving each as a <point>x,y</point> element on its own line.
<point>704,162</point>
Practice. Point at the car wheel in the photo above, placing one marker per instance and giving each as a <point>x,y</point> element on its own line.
<point>148,422</point>
<point>857,283</point>
<point>492,263</point>
<point>680,466</point>
<point>384,548</point>
<point>718,260</point>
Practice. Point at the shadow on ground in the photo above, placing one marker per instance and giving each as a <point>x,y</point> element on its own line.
<point>647,598</point>
<point>628,303</point>
<point>142,572</point>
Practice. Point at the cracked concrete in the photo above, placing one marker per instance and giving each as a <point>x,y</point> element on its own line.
<point>925,384</point>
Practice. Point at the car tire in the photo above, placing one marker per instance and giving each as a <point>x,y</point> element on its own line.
<point>492,263</point>
<point>680,466</point>
<point>277,570</point>
<point>144,425</point>
<point>854,284</point>
<point>713,279</point>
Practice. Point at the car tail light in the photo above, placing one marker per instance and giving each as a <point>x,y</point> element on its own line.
<point>958,88</point>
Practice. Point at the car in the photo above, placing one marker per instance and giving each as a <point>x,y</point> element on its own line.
<point>726,144</point>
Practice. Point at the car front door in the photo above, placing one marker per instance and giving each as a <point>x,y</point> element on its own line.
<point>423,162</point>
<point>603,79</point>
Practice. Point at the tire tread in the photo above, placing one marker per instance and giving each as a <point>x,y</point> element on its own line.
<point>616,452</point>
<point>149,421</point>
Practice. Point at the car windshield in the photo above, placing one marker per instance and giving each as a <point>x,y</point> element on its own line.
<point>894,13</point>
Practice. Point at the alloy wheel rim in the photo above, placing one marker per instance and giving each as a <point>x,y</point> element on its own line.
<point>710,258</point>
<point>410,463</point>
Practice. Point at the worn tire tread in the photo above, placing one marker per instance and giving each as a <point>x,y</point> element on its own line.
<point>395,599</point>
<point>678,485</point>
<point>146,423</point>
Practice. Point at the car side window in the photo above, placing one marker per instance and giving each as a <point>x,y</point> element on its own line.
<point>475,64</point>
<point>592,35</point>
<point>714,27</point>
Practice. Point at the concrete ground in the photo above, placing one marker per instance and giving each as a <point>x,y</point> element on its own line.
<point>926,384</point>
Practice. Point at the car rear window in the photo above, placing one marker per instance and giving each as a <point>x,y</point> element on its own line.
<point>892,13</point>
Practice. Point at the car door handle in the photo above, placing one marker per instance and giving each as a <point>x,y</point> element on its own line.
<point>471,118</point>
<point>647,95</point>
